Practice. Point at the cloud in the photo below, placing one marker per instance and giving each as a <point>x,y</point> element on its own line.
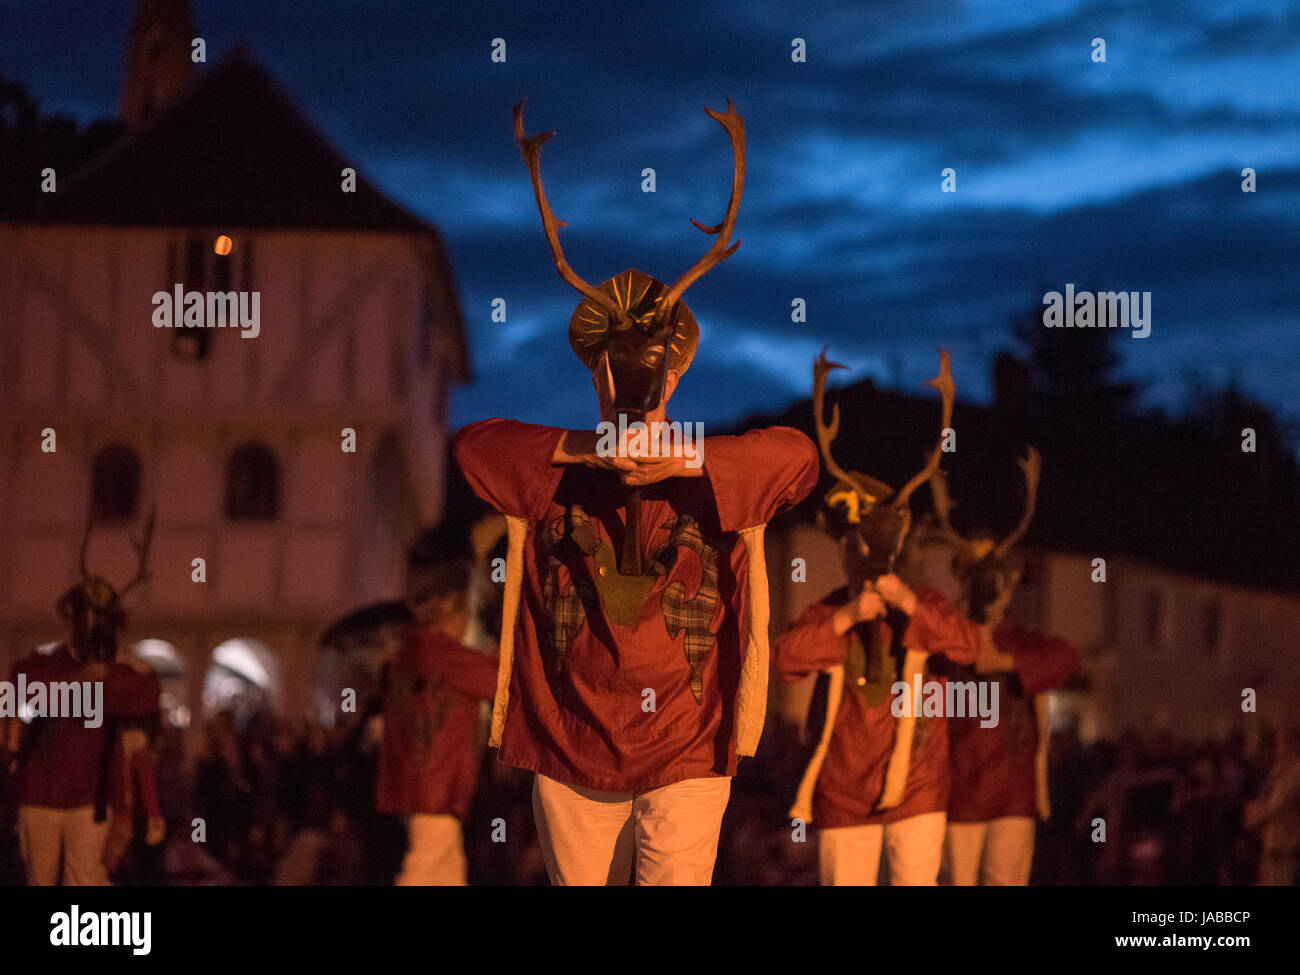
<point>1121,175</point>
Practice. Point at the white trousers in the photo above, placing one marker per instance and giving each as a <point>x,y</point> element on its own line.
<point>996,853</point>
<point>849,856</point>
<point>435,852</point>
<point>664,837</point>
<point>45,835</point>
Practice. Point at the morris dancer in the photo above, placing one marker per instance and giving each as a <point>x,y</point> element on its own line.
<point>999,771</point>
<point>875,779</point>
<point>429,755</point>
<point>635,671</point>
<point>68,772</point>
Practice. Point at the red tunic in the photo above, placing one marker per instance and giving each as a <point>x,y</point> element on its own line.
<point>862,740</point>
<point>993,768</point>
<point>634,705</point>
<point>427,759</point>
<point>63,762</point>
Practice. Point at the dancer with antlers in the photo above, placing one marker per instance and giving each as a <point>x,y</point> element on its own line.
<point>634,631</point>
<point>878,777</point>
<point>999,771</point>
<point>68,768</point>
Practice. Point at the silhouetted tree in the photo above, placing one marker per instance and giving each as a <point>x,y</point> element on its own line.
<point>1073,370</point>
<point>30,142</point>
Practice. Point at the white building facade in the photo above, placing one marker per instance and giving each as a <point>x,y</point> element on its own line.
<point>298,464</point>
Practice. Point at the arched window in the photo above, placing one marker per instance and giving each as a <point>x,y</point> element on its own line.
<point>253,483</point>
<point>243,678</point>
<point>115,482</point>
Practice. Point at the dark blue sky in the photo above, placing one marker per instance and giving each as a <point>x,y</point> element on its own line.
<point>1115,176</point>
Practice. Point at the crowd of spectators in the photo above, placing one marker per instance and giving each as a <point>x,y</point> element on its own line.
<point>1173,812</point>
<point>274,804</point>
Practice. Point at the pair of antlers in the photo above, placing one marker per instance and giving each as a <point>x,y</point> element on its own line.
<point>141,551</point>
<point>870,488</point>
<point>718,252</point>
<point>1031,466</point>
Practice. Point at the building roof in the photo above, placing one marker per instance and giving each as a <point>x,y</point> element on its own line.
<point>233,151</point>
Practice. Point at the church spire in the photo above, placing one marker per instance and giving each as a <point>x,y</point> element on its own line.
<point>158,61</point>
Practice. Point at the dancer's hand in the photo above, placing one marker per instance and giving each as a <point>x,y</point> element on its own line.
<point>896,593</point>
<point>868,606</point>
<point>579,447</point>
<point>650,470</point>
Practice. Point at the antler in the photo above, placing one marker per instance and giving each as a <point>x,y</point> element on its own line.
<point>719,251</point>
<point>948,391</point>
<point>1032,465</point>
<point>943,508</point>
<point>825,434</point>
<point>532,148</point>
<point>141,553</point>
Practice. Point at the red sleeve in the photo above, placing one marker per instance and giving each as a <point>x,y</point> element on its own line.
<point>472,673</point>
<point>508,465</point>
<point>128,693</point>
<point>759,474</point>
<point>1042,662</point>
<point>468,671</point>
<point>937,626</point>
<point>811,644</point>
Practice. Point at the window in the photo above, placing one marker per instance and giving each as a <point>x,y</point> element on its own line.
<point>243,678</point>
<point>202,267</point>
<point>115,482</point>
<point>252,483</point>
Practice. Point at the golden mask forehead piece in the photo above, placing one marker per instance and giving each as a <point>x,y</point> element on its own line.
<point>850,500</point>
<point>638,294</point>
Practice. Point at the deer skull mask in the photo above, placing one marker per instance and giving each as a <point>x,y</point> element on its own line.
<point>867,516</point>
<point>643,325</point>
<point>94,608</point>
<point>987,569</point>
